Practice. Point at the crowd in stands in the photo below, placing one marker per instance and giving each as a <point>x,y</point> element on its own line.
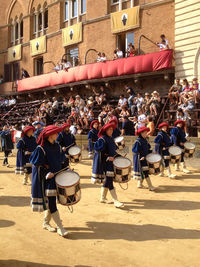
<point>132,110</point>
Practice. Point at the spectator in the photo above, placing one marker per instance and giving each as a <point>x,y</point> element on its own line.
<point>122,101</point>
<point>58,66</point>
<point>119,53</point>
<point>25,73</point>
<point>6,143</point>
<point>98,59</point>
<point>147,103</point>
<point>163,45</point>
<point>79,102</point>
<point>103,57</point>
<point>139,101</point>
<point>66,65</point>
<point>163,38</point>
<point>155,103</point>
<point>12,101</point>
<point>175,90</point>
<point>115,55</point>
<point>131,94</point>
<point>142,119</point>
<point>90,101</point>
<point>180,115</point>
<point>71,101</point>
<point>150,125</point>
<point>131,50</point>
<point>127,126</point>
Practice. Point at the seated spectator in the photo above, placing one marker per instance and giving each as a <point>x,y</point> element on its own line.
<point>163,45</point>
<point>155,103</point>
<point>142,119</point>
<point>90,115</point>
<point>73,128</point>
<point>79,102</point>
<point>124,112</point>
<point>103,57</point>
<point>131,51</point>
<point>1,79</point>
<point>139,101</point>
<point>163,38</point>
<point>180,115</point>
<point>115,55</point>
<point>58,67</point>
<point>119,53</point>
<point>83,118</point>
<point>66,65</point>
<point>79,130</point>
<point>55,104</point>
<point>12,101</point>
<point>25,73</point>
<point>65,106</point>
<point>175,90</point>
<point>90,101</point>
<point>127,126</point>
<point>146,103</point>
<point>98,59</point>
<point>71,101</point>
<point>195,84</point>
<point>122,101</point>
<point>150,125</point>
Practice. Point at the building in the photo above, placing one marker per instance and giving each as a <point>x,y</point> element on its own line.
<point>36,34</point>
<point>187,39</point>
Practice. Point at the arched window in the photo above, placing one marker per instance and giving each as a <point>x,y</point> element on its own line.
<point>40,21</point>
<point>46,19</point>
<point>22,29</point>
<point>17,31</point>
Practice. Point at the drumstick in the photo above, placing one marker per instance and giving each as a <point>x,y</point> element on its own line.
<point>61,170</point>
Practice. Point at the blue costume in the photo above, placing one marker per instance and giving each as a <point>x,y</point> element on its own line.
<point>37,133</point>
<point>116,133</point>
<point>6,144</point>
<point>104,147</point>
<point>45,159</point>
<point>66,140</point>
<point>141,148</point>
<point>92,138</point>
<point>177,137</point>
<point>25,144</point>
<point>162,144</point>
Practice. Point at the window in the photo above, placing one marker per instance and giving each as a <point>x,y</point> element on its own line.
<point>21,29</point>
<point>40,21</point>
<point>46,19</point>
<point>17,31</point>
<point>74,8</point>
<point>115,1</point>
<point>12,34</point>
<point>66,9</point>
<point>83,6</point>
<point>72,56</point>
<point>129,38</point>
<point>34,23</point>
<point>38,66</point>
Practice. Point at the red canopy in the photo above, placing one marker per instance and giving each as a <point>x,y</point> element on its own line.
<point>125,66</point>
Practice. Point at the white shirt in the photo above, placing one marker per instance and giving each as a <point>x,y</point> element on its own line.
<point>119,54</point>
<point>122,101</point>
<point>55,104</point>
<point>142,120</point>
<point>73,129</point>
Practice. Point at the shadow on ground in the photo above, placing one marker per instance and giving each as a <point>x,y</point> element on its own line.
<point>130,232</point>
<point>17,263</point>
<point>15,201</point>
<point>6,223</point>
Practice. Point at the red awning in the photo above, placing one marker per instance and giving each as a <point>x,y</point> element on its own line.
<point>125,66</point>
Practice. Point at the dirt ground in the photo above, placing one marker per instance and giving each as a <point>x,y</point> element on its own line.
<point>154,229</point>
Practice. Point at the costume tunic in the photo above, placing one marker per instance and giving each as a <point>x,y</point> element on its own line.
<point>177,137</point>
<point>92,138</point>
<point>162,144</point>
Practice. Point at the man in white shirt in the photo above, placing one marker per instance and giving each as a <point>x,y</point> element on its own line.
<point>79,102</point>
<point>119,53</point>
<point>122,101</point>
<point>55,103</point>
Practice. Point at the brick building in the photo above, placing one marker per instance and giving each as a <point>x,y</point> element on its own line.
<point>33,35</point>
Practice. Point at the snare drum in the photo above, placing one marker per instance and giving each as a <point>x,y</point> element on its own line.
<point>175,154</point>
<point>68,187</point>
<point>154,162</point>
<point>74,154</point>
<point>122,169</point>
<point>189,149</point>
<point>119,141</point>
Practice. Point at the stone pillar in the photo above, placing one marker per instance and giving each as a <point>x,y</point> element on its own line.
<point>36,23</point>
<point>42,11</point>
<point>69,12</point>
<point>132,3</point>
<point>120,5</point>
<point>14,35</point>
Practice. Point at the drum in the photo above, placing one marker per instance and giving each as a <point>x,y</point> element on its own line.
<point>68,187</point>
<point>122,169</point>
<point>189,149</point>
<point>175,154</point>
<point>154,162</point>
<point>74,154</point>
<point>119,141</point>
<point>28,165</point>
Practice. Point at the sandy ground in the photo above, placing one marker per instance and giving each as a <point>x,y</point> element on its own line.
<point>159,228</point>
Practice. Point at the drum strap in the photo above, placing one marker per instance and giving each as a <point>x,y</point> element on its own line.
<point>42,150</point>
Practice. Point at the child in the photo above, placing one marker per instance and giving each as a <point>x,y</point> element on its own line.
<point>6,143</point>
<point>92,136</point>
<point>141,148</point>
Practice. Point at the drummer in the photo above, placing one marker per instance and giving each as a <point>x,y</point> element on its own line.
<point>162,144</point>
<point>178,139</point>
<point>116,131</point>
<point>66,139</point>
<point>92,136</point>
<point>25,146</point>
<point>47,159</point>
<point>105,151</point>
<point>141,148</point>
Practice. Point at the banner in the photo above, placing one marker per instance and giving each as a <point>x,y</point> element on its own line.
<point>125,20</point>
<point>38,46</point>
<point>15,53</point>
<point>72,34</point>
